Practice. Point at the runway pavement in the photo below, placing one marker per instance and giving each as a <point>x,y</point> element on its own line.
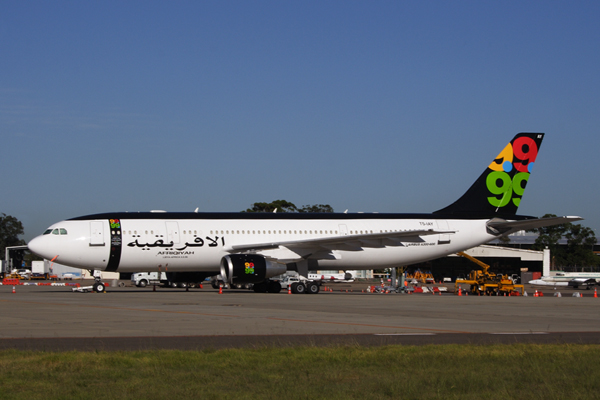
<point>49,318</point>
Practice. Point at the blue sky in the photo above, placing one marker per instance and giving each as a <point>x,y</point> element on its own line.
<point>367,106</point>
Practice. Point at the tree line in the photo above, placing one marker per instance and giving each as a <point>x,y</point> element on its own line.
<point>284,206</point>
<point>579,249</point>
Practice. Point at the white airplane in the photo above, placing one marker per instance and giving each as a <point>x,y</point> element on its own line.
<point>573,282</point>
<point>561,276</point>
<point>253,247</point>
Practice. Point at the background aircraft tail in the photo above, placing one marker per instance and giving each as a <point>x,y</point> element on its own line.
<point>498,191</point>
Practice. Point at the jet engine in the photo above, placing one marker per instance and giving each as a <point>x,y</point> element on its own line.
<point>248,268</point>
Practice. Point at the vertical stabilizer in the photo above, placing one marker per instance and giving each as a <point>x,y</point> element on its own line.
<point>498,191</point>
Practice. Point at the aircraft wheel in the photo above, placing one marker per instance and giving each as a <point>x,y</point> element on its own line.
<point>312,288</point>
<point>98,287</point>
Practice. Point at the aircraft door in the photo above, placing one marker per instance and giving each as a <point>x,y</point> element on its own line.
<point>97,233</point>
<point>173,232</point>
<point>443,226</point>
<point>343,230</point>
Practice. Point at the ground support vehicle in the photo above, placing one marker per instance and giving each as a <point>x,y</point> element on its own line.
<point>97,287</point>
<point>486,283</point>
<point>299,284</point>
<point>421,276</point>
<point>143,279</point>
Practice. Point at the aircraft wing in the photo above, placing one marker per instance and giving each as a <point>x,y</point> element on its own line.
<point>498,225</point>
<point>322,248</point>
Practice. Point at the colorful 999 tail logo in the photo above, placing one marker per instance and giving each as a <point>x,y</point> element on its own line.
<point>511,169</point>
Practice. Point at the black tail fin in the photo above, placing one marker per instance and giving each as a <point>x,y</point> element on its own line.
<point>498,191</point>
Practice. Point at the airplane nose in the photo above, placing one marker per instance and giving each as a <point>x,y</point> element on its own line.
<point>40,246</point>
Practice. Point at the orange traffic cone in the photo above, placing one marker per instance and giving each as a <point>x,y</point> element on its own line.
<point>289,289</point>
<point>459,292</point>
<point>220,289</point>
<point>200,286</point>
<point>14,291</point>
<point>595,293</point>
<point>535,294</point>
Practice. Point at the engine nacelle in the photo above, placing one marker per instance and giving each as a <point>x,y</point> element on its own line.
<point>248,268</point>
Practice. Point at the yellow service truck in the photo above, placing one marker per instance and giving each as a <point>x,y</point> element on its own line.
<point>484,282</point>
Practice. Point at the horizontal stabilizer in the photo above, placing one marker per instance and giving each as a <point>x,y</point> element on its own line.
<point>499,226</point>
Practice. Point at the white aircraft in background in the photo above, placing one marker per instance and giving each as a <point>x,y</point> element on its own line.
<point>253,247</point>
<point>569,279</point>
<point>561,276</point>
<point>574,283</point>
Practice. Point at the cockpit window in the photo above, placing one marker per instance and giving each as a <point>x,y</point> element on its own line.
<point>56,231</point>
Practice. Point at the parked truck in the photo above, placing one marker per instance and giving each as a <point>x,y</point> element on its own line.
<point>143,279</point>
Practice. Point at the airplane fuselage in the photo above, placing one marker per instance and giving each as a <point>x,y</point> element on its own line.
<point>136,242</point>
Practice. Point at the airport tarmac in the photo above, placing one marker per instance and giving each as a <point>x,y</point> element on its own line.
<point>129,318</point>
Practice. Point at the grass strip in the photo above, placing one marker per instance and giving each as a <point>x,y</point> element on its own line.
<point>409,372</point>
